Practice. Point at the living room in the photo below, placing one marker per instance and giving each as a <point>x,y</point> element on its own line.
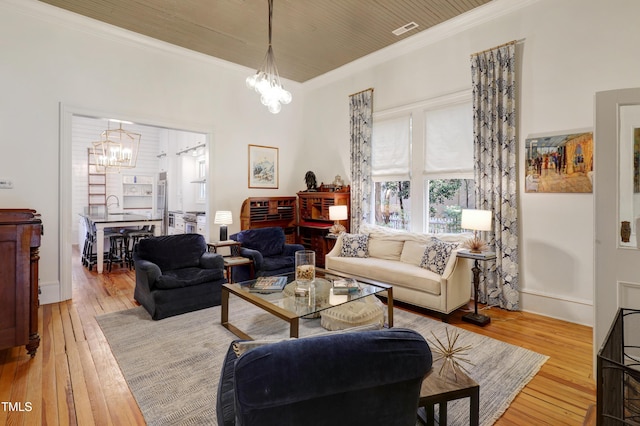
<point>58,64</point>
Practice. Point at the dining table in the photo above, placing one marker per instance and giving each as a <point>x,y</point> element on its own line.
<point>118,220</point>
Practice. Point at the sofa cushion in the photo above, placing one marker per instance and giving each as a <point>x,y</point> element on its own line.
<point>187,277</point>
<point>436,255</point>
<point>385,249</point>
<point>387,271</point>
<point>355,245</point>
<point>412,252</point>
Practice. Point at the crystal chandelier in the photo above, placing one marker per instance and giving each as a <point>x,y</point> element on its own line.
<point>266,80</point>
<point>117,149</point>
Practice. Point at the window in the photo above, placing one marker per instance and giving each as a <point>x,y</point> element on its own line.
<point>390,172</point>
<point>448,166</point>
<point>422,165</point>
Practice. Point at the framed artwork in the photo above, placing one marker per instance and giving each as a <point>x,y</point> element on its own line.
<point>560,163</point>
<point>263,167</point>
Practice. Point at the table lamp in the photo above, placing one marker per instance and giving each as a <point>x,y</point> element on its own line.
<point>223,218</point>
<point>476,220</point>
<point>337,213</point>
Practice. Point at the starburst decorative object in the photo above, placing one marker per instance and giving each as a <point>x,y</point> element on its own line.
<point>266,80</point>
<point>475,245</point>
<point>453,356</point>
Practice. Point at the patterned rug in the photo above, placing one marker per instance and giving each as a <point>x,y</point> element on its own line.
<point>172,366</point>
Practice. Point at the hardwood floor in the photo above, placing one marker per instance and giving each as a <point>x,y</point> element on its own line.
<point>74,379</point>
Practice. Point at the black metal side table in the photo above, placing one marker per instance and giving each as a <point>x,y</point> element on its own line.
<point>475,317</point>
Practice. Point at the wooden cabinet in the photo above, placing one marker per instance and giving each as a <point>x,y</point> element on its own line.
<point>20,231</point>
<point>263,212</point>
<point>314,222</point>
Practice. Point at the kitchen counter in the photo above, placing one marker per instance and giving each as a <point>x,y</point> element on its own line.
<point>112,220</point>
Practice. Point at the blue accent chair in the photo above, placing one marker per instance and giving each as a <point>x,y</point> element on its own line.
<point>176,274</point>
<point>268,250</point>
<point>348,378</point>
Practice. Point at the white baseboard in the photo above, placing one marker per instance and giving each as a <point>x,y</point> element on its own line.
<point>554,306</point>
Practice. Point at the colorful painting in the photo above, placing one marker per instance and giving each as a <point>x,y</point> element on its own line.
<point>560,163</point>
<point>263,167</point>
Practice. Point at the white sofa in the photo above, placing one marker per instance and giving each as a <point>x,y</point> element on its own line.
<point>394,257</point>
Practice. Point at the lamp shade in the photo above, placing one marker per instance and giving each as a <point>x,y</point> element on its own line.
<point>223,217</point>
<point>477,220</point>
<point>338,213</point>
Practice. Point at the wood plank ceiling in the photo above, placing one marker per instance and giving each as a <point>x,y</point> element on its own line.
<point>310,37</point>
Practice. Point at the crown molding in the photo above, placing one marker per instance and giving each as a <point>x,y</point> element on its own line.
<point>55,15</point>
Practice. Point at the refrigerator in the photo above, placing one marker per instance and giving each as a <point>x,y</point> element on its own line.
<point>162,211</point>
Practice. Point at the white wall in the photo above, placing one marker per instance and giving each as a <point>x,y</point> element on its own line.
<point>51,58</point>
<point>571,49</point>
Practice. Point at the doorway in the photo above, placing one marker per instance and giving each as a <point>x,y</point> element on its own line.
<point>76,133</point>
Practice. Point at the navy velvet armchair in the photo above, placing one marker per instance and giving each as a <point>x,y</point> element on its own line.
<point>268,250</point>
<point>353,378</point>
<point>176,274</point>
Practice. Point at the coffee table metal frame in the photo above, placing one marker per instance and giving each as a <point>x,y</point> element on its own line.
<point>292,318</point>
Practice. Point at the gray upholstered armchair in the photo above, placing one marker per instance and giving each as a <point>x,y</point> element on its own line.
<point>353,378</point>
<point>176,274</point>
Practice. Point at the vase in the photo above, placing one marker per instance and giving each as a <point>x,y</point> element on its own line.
<point>305,268</point>
<point>625,231</point>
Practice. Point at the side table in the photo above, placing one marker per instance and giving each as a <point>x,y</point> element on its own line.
<point>234,246</point>
<point>234,259</point>
<point>231,262</point>
<point>439,390</point>
<point>475,317</point>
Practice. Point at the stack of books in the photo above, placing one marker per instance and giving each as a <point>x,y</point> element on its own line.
<point>268,284</point>
<point>345,286</point>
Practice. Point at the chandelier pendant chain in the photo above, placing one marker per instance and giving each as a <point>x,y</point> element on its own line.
<point>266,81</point>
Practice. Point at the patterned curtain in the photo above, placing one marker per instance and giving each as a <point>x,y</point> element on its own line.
<point>494,132</point>
<point>361,111</point>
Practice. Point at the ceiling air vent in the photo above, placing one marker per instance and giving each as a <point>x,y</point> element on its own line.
<point>403,29</point>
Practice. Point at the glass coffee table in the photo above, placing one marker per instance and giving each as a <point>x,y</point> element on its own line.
<point>289,307</point>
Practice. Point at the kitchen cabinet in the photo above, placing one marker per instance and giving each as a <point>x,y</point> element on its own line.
<point>20,231</point>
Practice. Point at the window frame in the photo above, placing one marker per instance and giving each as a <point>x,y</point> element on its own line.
<point>419,210</point>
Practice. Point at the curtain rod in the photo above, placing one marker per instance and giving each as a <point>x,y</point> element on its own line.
<point>499,46</point>
<point>362,91</point>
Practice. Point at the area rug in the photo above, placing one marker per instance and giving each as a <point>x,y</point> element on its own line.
<point>172,366</point>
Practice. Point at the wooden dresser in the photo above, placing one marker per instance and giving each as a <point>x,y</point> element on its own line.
<point>20,231</point>
<point>263,212</point>
<point>314,222</point>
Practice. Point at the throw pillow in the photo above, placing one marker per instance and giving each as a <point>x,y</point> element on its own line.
<point>355,245</point>
<point>436,255</point>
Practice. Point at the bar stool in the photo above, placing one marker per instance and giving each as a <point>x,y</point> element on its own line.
<point>89,257</point>
<point>117,250</point>
<point>132,236</point>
